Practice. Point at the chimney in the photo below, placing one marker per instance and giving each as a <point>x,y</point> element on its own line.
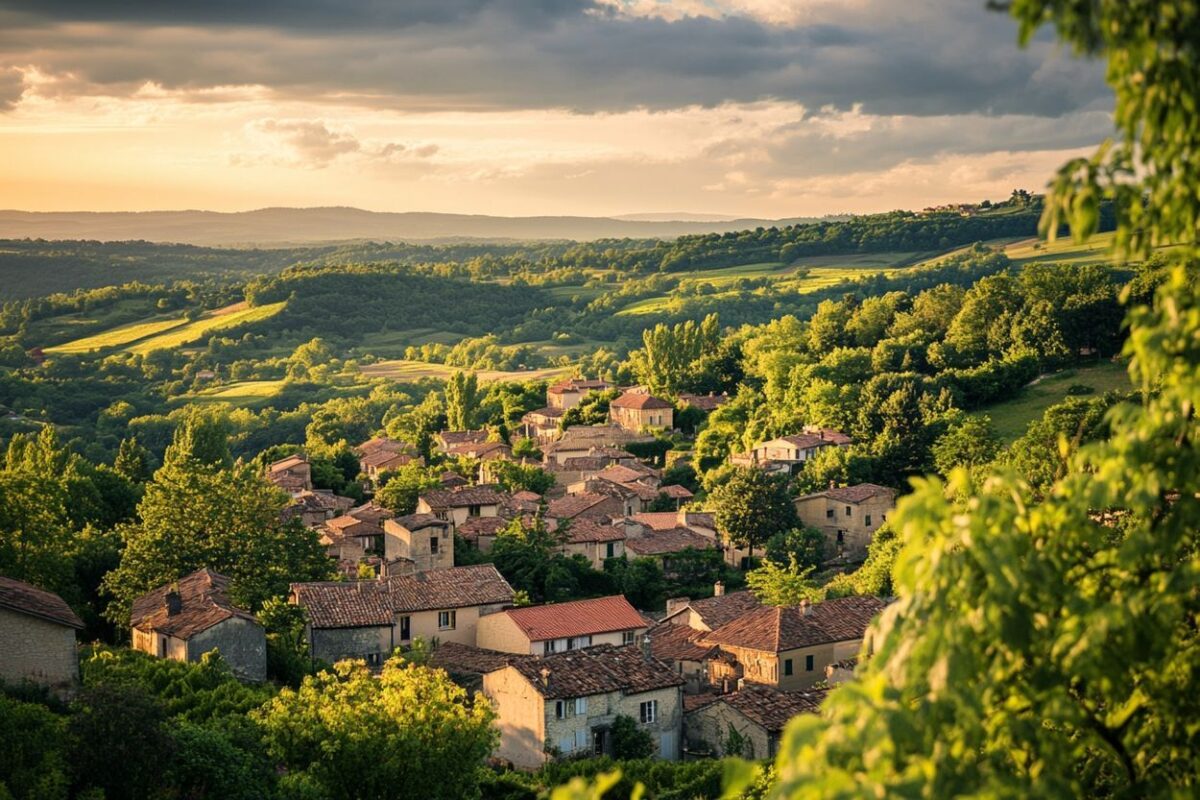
<point>681,517</point>
<point>719,589</point>
<point>805,607</point>
<point>545,673</point>
<point>676,603</point>
<point>646,646</point>
<point>174,603</point>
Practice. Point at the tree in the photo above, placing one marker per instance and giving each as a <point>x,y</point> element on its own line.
<point>664,362</point>
<point>972,442</point>
<point>403,487</point>
<point>783,584</point>
<point>462,401</point>
<point>33,759</point>
<point>629,740</point>
<point>411,732</point>
<point>640,580</point>
<point>133,461</point>
<point>806,546</point>
<point>200,512</point>
<point>119,741</point>
<point>514,477</point>
<point>751,507</point>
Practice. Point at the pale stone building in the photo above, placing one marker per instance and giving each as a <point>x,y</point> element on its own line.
<point>193,616</point>
<point>746,723</point>
<point>370,619</point>
<point>566,704</point>
<point>635,412</point>
<point>292,474</point>
<point>458,504</point>
<point>37,637</point>
<point>424,540</point>
<point>848,516</point>
<point>559,627</point>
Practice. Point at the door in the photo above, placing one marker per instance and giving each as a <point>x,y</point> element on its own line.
<point>599,741</point>
<point>666,747</point>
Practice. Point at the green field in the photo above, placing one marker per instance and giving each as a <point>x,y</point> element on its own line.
<point>215,321</point>
<point>118,337</point>
<point>242,393</point>
<point>401,370</point>
<point>1012,417</point>
<point>1062,251</point>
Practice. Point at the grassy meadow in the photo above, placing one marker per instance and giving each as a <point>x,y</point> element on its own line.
<point>1013,416</point>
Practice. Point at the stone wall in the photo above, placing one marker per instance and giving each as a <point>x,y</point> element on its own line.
<point>242,644</point>
<point>36,650</point>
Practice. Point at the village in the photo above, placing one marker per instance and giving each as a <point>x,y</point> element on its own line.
<point>559,675</point>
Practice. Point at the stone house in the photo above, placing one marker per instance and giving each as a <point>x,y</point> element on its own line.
<point>848,516</point>
<point>560,627</point>
<point>448,439</point>
<point>375,464</point>
<point>370,619</point>
<point>37,637</point>
<point>700,522</point>
<point>790,647</point>
<point>458,504</point>
<point>665,545</point>
<point>424,540</point>
<point>595,540</point>
<point>753,717</point>
<point>704,667</point>
<point>787,454</point>
<point>363,525</point>
<point>637,412</point>
<point>315,507</point>
<point>570,393</point>
<point>541,424</point>
<point>566,704</point>
<point>590,505</point>
<point>481,531</point>
<point>193,616</point>
<point>292,474</point>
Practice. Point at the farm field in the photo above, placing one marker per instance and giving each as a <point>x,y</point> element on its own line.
<point>1012,417</point>
<point>1063,250</point>
<point>118,337</point>
<point>401,370</point>
<point>215,321</point>
<point>242,393</point>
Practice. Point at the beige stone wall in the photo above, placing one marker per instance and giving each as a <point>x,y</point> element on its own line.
<point>242,644</point>
<point>499,632</point>
<point>520,718</point>
<point>634,419</point>
<point>400,542</point>
<point>857,527</point>
<point>708,728</point>
<point>595,552</point>
<point>334,644</point>
<point>424,624</point>
<point>36,650</point>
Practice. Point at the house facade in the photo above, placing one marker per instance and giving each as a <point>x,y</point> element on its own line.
<point>566,704</point>
<point>848,516</point>
<point>369,619</point>
<point>422,539</point>
<point>193,616</point>
<point>747,723</point>
<point>292,474</point>
<point>458,504</point>
<point>636,412</point>
<point>37,637</point>
<point>561,627</point>
<point>567,394</point>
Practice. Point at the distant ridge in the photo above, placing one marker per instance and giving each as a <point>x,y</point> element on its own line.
<point>279,226</point>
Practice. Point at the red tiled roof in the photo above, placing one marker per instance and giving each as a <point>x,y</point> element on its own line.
<point>858,493</point>
<point>548,412</point>
<point>665,542</point>
<point>596,670</point>
<point>619,473</point>
<point>451,438</point>
<point>584,530</point>
<point>677,492</point>
<point>671,642</point>
<point>773,629</point>
<point>287,462</point>
<point>805,441</point>
<point>831,435</point>
<point>474,527</point>
<point>417,522</point>
<point>458,658</point>
<point>576,618</point>
<point>664,520</point>
<point>462,496</point>
<point>381,443</point>
<point>577,385</point>
<point>386,459</point>
<point>573,505</point>
<point>639,401</point>
<point>717,611</point>
<point>28,599</point>
<point>771,708</point>
<point>204,601</point>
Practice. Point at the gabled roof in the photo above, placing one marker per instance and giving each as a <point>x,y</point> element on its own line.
<point>704,402</point>
<point>854,494</point>
<point>774,629</point>
<point>573,505</point>
<point>287,462</point>
<point>639,401</point>
<point>380,444</point>
<point>583,530</point>
<point>26,598</point>
<point>805,441</point>
<point>577,385</point>
<point>371,512</point>
<point>596,670</point>
<point>831,435</point>
<point>619,473</point>
<point>772,709</point>
<point>664,520</point>
<point>462,496</point>
<point>717,611</point>
<point>576,618</point>
<point>548,411</point>
<point>671,642</point>
<point>204,602</point>
<point>458,658</point>
<point>417,522</point>
<point>451,438</point>
<point>474,527</point>
<point>677,492</point>
<point>387,459</point>
<point>664,542</point>
<point>352,604</point>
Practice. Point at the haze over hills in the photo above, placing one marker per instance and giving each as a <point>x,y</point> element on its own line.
<point>278,226</point>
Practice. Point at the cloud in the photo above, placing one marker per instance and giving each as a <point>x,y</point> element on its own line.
<point>305,142</point>
<point>12,87</point>
<point>922,57</point>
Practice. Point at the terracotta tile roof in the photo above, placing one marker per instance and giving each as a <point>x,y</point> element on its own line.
<point>583,530</point>
<point>548,412</point>
<point>664,520</point>
<point>665,542</point>
<point>204,601</point>
<point>451,479</point>
<point>451,438</point>
<point>704,402</point>
<point>623,490</point>
<point>348,525</point>
<point>831,435</point>
<point>671,642</point>
<point>371,512</point>
<point>478,449</point>
<point>460,659</point>
<point>577,385</point>
<point>676,492</point>
<point>717,611</point>
<point>576,618</point>
<point>417,522</point>
<point>380,444</point>
<point>573,505</point>
<point>695,702</point>
<point>287,463</point>
<point>619,473</point>
<point>352,604</point>
<point>639,401</point>
<point>475,527</point>
<point>805,441</point>
<point>386,459</point>
<point>28,599</point>
<point>773,629</point>
<point>462,496</point>
<point>580,464</point>
<point>858,493</point>
<point>596,670</point>
<point>771,708</point>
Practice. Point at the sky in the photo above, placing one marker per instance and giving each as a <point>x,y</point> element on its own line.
<point>763,108</point>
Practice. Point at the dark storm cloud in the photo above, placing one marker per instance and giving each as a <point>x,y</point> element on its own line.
<point>12,86</point>
<point>919,57</point>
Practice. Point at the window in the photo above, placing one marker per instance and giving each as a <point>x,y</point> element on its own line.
<point>560,709</point>
<point>433,545</point>
<point>787,666</point>
<point>405,628</point>
<point>883,517</point>
<point>473,511</point>
<point>373,659</point>
<point>628,637</point>
<point>550,646</point>
<point>648,711</point>
<point>581,739</point>
<point>610,550</point>
<point>446,620</point>
<point>566,744</point>
<point>841,537</point>
<point>808,663</point>
<point>829,513</point>
<point>579,642</point>
<point>867,520</point>
<point>848,511</point>
<point>581,706</point>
